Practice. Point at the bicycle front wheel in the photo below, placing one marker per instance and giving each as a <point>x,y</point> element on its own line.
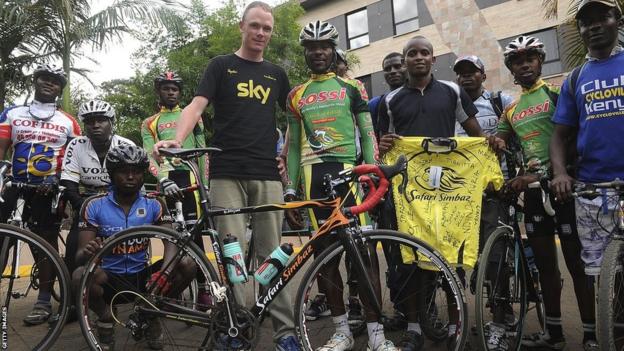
<point>610,321</point>
<point>117,306</point>
<point>501,297</point>
<point>20,252</point>
<point>401,287</point>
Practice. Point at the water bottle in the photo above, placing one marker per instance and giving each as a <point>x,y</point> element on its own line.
<point>273,264</point>
<point>528,253</point>
<point>234,260</point>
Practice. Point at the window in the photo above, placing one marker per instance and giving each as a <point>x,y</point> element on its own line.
<point>357,29</point>
<point>405,16</point>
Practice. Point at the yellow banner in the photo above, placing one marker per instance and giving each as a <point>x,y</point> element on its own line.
<point>441,204</point>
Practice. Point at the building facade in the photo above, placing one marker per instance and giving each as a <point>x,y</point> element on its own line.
<point>370,29</point>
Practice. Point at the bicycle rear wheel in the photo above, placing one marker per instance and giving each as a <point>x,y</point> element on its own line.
<point>500,300</point>
<point>130,305</point>
<point>400,289</point>
<point>20,250</point>
<point>610,321</point>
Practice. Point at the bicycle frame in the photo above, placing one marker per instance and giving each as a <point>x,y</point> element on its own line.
<point>337,221</point>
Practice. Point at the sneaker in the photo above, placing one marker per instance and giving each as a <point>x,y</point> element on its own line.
<point>396,322</point>
<point>154,334</point>
<point>226,343</point>
<point>411,341</point>
<point>544,341</point>
<point>106,335</point>
<point>338,342</point>
<point>318,308</point>
<point>495,337</point>
<point>385,346</point>
<point>590,345</point>
<point>39,315</point>
<point>288,343</point>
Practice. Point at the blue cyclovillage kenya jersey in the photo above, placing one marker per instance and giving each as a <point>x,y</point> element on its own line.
<point>596,108</point>
<point>102,214</point>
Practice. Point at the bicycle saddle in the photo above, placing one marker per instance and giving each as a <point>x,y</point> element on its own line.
<point>187,154</point>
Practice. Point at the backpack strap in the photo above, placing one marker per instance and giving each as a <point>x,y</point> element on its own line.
<point>497,103</point>
<point>573,78</point>
<point>551,94</point>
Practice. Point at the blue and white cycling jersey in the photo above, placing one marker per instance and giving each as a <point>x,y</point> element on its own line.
<point>102,214</point>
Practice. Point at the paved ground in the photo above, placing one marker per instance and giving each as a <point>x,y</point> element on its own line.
<point>72,339</point>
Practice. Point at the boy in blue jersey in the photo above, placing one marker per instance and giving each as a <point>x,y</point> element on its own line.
<point>126,268</point>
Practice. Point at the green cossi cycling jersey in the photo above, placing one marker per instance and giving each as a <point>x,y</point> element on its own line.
<point>162,126</point>
<point>530,118</point>
<point>323,114</point>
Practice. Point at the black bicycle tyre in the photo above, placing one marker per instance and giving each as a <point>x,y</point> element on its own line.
<point>611,265</point>
<point>44,248</point>
<point>157,232</point>
<point>434,333</point>
<point>399,239</point>
<point>501,234</point>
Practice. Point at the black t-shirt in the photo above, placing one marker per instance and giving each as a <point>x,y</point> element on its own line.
<point>244,95</point>
<point>430,113</point>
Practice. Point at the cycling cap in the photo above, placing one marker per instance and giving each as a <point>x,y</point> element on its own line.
<point>609,3</point>
<point>474,60</point>
<point>96,108</point>
<point>51,70</point>
<point>126,155</point>
<point>319,31</point>
<point>168,76</point>
<point>342,56</point>
<point>521,45</point>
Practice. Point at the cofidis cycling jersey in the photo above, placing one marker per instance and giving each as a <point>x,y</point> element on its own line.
<point>324,113</point>
<point>82,165</point>
<point>441,204</point>
<point>530,118</point>
<point>39,133</point>
<point>103,215</point>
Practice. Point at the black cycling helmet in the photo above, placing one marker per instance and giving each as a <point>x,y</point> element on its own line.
<point>51,70</point>
<point>126,155</point>
<point>168,77</point>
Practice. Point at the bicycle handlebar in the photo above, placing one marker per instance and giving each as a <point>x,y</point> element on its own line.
<point>385,173</point>
<point>184,190</point>
<point>591,190</point>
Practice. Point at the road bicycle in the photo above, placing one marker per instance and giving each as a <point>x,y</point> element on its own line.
<point>610,292</point>
<point>226,321</point>
<point>507,286</point>
<point>22,256</point>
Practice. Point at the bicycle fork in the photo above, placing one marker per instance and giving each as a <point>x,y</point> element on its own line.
<point>352,242</point>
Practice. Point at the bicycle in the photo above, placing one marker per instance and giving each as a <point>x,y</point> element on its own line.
<point>225,319</point>
<point>610,296</point>
<point>19,246</point>
<point>517,282</point>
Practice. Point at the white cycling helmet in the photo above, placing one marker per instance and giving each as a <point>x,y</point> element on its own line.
<point>51,70</point>
<point>521,45</point>
<point>97,108</point>
<point>319,31</point>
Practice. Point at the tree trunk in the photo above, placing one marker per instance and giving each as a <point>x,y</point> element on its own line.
<point>66,103</point>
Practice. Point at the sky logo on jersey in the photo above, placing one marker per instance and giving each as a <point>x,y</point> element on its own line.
<point>322,96</point>
<point>253,91</point>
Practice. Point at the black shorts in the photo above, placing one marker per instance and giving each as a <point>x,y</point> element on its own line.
<point>37,213</point>
<point>128,282</point>
<point>538,223</point>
